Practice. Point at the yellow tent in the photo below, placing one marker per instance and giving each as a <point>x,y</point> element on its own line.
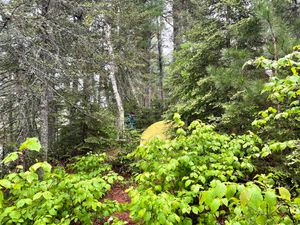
<point>156,130</point>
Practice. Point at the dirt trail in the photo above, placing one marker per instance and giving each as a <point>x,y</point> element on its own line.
<point>117,193</point>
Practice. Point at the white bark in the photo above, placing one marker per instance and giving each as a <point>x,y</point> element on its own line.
<point>112,69</point>
<point>165,45</point>
<point>167,33</point>
<point>134,91</point>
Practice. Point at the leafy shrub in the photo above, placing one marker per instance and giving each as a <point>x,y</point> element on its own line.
<point>281,120</point>
<point>120,162</point>
<point>203,177</point>
<point>182,161</point>
<point>280,123</point>
<point>248,204</point>
<point>46,195</point>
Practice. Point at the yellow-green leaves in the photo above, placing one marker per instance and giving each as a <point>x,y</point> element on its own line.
<point>10,157</point>
<point>32,144</point>
<point>294,71</point>
<point>177,120</point>
<point>44,165</point>
<point>22,202</point>
<point>214,205</point>
<point>284,193</point>
<point>271,200</point>
<point>220,190</point>
<point>193,175</point>
<point>56,197</point>
<point>5,183</point>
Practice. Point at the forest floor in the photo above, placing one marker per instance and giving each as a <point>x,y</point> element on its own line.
<point>117,193</point>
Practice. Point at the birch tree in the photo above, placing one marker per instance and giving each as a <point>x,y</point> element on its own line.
<point>112,70</point>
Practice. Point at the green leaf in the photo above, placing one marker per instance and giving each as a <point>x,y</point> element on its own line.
<point>37,195</point>
<point>161,218</point>
<point>141,212</point>
<point>284,193</point>
<point>187,183</point>
<point>215,204</point>
<point>270,198</point>
<point>195,188</point>
<point>32,144</point>
<point>231,190</point>
<point>10,157</point>
<point>261,220</point>
<point>47,195</point>
<point>297,200</point>
<point>187,221</point>
<point>245,197</point>
<point>237,211</point>
<point>15,215</point>
<point>220,190</point>
<point>35,166</point>
<point>147,216</point>
<point>1,197</point>
<point>30,176</point>
<point>46,167</point>
<point>23,202</point>
<point>294,71</point>
<point>5,183</point>
<point>256,197</point>
<point>195,210</point>
<point>53,212</point>
<point>225,201</point>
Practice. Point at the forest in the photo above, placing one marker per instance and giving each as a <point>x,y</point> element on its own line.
<point>150,112</point>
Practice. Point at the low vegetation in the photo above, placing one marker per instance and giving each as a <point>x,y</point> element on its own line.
<point>82,81</point>
<point>56,195</point>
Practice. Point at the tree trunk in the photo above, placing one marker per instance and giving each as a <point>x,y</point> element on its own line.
<point>52,110</point>
<point>134,91</point>
<point>1,155</point>
<point>44,114</point>
<point>112,69</point>
<point>165,43</point>
<point>160,67</point>
<point>44,122</point>
<point>167,33</point>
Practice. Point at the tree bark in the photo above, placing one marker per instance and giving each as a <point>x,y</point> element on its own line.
<point>134,91</point>
<point>160,66</point>
<point>112,69</point>
<point>167,33</point>
<point>165,43</point>
<point>44,116</point>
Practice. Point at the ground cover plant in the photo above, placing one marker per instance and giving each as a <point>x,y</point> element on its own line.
<point>84,80</point>
<point>203,177</point>
<point>50,195</point>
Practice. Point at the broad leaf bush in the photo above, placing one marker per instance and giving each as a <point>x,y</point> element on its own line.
<point>280,122</point>
<point>47,195</point>
<point>203,177</point>
<point>203,155</point>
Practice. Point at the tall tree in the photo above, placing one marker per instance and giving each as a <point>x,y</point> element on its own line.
<point>207,80</point>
